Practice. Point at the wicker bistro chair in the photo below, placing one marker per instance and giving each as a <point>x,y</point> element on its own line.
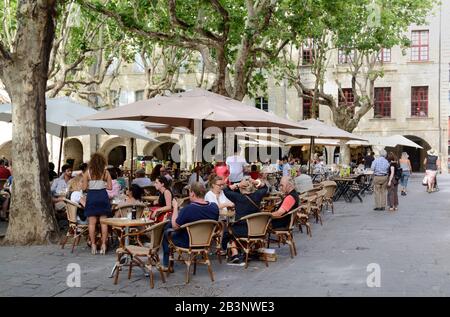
<point>305,212</point>
<point>200,238</point>
<point>257,225</point>
<point>317,205</point>
<point>286,235</point>
<point>330,187</point>
<point>150,251</point>
<point>150,190</point>
<point>122,212</point>
<point>75,230</point>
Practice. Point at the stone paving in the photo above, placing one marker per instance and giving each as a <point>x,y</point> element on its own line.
<point>411,246</point>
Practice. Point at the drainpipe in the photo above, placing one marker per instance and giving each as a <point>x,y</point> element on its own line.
<point>440,78</point>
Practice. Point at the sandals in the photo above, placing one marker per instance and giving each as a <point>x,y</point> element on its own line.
<point>93,249</point>
<point>103,249</point>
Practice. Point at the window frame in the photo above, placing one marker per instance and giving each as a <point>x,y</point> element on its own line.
<point>345,102</point>
<point>415,99</point>
<point>420,45</point>
<point>380,106</point>
<point>262,102</point>
<point>307,109</point>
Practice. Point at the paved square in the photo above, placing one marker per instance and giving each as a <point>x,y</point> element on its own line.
<point>412,247</point>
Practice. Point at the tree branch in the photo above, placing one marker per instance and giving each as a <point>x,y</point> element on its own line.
<point>178,40</point>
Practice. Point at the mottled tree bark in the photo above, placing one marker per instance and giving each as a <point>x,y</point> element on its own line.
<point>24,72</point>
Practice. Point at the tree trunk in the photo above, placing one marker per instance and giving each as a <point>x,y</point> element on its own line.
<point>32,218</point>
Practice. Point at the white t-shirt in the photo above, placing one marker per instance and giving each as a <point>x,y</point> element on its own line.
<point>76,196</point>
<point>193,179</point>
<point>236,165</point>
<point>286,169</point>
<point>212,198</point>
<point>142,182</point>
<point>303,183</point>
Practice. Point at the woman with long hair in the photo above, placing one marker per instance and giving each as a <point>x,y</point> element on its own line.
<point>405,165</point>
<point>392,185</point>
<point>164,204</point>
<point>96,181</point>
<point>156,172</point>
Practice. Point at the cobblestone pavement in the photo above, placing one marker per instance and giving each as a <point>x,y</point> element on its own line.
<point>412,247</point>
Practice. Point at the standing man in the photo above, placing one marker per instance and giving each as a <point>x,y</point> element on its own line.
<point>286,167</point>
<point>368,159</point>
<point>380,167</point>
<point>236,165</point>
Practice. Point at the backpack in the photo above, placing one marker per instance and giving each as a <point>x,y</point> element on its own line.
<point>398,173</point>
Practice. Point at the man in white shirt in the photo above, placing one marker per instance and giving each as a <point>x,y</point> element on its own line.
<point>286,167</point>
<point>236,164</point>
<point>303,182</point>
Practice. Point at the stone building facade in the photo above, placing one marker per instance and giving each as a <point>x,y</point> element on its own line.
<point>416,82</point>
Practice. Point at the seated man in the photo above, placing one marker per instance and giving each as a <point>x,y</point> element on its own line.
<point>198,209</point>
<point>59,188</point>
<point>290,202</point>
<point>303,182</point>
<point>141,180</point>
<point>246,196</point>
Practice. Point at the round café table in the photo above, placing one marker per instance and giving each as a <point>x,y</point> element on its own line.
<point>124,224</point>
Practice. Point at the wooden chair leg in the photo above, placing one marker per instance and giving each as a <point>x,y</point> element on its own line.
<point>152,282</point>
<point>246,250</point>
<point>294,247</point>
<point>131,268</point>
<point>64,240</point>
<point>208,262</point>
<point>118,266</point>
<point>195,264</point>
<point>75,242</point>
<point>158,266</point>
<point>188,269</point>
<point>308,229</point>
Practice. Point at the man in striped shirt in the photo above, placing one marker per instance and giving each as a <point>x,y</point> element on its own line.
<point>380,167</point>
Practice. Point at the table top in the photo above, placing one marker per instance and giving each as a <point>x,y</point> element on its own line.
<point>345,179</point>
<point>125,222</point>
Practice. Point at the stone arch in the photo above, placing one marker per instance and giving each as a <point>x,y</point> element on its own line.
<point>5,150</point>
<point>416,156</point>
<point>115,151</point>
<point>160,151</point>
<point>73,152</point>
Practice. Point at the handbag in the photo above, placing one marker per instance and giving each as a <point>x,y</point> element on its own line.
<point>425,181</point>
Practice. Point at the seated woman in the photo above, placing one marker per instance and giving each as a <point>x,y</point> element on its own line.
<point>290,202</point>
<point>163,208</point>
<point>134,196</point>
<point>216,194</point>
<point>246,196</point>
<point>197,176</point>
<point>75,194</point>
<point>114,192</point>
